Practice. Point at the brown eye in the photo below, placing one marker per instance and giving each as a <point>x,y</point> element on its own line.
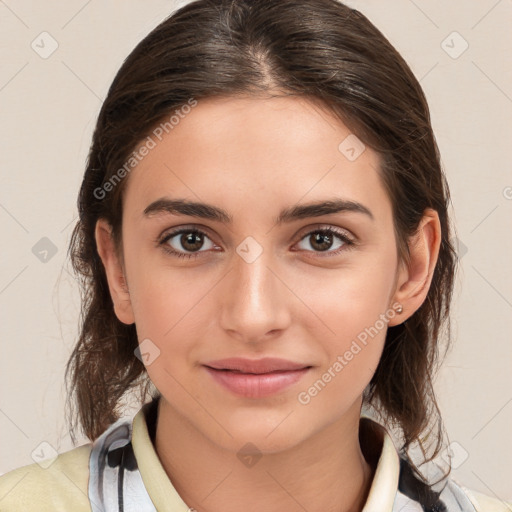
<point>184,241</point>
<point>321,241</point>
<point>325,239</point>
<point>191,241</point>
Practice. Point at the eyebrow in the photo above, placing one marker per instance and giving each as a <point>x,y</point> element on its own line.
<point>297,212</point>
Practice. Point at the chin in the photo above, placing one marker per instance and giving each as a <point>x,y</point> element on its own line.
<point>261,443</point>
<point>267,434</point>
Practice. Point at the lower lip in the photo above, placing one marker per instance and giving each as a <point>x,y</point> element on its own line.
<point>256,386</point>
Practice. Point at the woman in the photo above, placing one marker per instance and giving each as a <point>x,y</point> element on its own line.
<point>265,250</point>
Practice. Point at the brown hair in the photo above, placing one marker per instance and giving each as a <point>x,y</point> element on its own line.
<point>320,49</point>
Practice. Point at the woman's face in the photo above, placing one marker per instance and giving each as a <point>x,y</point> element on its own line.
<point>254,286</point>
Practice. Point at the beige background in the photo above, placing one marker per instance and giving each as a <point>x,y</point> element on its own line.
<point>48,110</point>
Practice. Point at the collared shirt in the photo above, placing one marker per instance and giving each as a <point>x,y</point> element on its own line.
<point>121,472</point>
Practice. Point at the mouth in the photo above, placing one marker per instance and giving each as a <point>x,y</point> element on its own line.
<point>257,379</point>
<point>256,366</point>
<point>257,373</point>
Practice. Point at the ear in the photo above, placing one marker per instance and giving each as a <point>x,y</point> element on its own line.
<point>114,271</point>
<point>414,278</point>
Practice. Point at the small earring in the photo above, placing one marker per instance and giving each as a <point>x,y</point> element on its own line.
<point>399,309</point>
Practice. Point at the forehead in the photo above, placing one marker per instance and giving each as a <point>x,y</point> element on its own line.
<point>278,149</point>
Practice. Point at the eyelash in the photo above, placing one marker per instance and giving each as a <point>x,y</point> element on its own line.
<point>348,243</point>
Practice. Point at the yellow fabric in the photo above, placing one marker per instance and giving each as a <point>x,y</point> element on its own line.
<point>485,503</point>
<point>60,487</point>
<point>63,486</point>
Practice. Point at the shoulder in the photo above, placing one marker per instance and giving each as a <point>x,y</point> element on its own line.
<point>457,497</point>
<point>484,503</point>
<point>58,484</point>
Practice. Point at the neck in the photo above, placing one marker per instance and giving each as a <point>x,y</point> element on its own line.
<point>328,472</point>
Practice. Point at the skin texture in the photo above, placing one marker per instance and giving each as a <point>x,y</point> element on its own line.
<point>254,157</point>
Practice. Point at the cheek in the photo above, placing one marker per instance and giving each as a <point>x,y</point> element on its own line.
<point>164,296</point>
<point>166,314</point>
<point>357,317</point>
<point>347,300</point>
<point>171,319</point>
<point>335,387</point>
<point>351,314</point>
<point>173,309</point>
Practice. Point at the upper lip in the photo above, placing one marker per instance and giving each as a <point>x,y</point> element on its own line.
<point>265,365</point>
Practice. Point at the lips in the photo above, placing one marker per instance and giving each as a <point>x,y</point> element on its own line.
<point>256,378</point>
<point>256,366</point>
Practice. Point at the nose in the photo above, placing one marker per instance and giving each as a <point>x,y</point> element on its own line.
<point>256,301</point>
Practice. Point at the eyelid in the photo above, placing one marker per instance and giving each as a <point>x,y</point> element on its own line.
<point>186,227</point>
<point>327,227</point>
<point>303,232</point>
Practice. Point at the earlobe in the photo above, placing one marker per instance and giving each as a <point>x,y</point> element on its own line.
<point>114,271</point>
<point>414,279</point>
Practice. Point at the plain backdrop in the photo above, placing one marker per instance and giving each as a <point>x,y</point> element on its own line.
<point>58,60</point>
